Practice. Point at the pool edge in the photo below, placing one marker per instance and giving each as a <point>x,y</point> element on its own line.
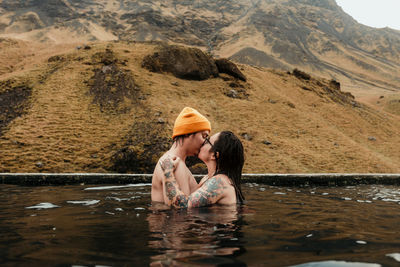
<point>300,179</point>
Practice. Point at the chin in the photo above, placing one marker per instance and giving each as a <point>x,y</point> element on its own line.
<point>201,158</point>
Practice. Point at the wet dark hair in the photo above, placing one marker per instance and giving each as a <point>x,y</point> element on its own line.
<point>179,139</point>
<point>230,160</point>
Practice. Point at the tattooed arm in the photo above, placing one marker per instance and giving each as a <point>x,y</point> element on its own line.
<point>209,193</point>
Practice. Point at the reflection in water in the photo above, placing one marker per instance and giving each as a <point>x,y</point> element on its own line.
<point>197,236</point>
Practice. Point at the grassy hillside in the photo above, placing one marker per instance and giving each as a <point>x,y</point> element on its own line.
<point>95,109</point>
<point>316,36</point>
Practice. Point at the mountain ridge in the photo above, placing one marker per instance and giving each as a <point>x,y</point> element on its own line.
<point>316,36</point>
<point>319,92</point>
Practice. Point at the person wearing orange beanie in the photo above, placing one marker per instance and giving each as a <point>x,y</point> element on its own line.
<point>189,134</point>
<point>190,121</point>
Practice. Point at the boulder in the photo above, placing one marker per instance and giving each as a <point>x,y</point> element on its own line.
<point>183,62</point>
<point>335,84</point>
<point>301,75</point>
<point>230,68</point>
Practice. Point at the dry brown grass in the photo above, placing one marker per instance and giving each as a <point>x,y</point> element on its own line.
<point>309,130</point>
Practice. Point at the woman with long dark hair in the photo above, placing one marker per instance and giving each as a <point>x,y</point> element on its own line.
<point>224,156</point>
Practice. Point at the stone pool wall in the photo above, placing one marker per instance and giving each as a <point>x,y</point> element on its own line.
<point>314,179</point>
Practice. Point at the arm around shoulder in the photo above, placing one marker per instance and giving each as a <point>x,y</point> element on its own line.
<point>209,193</point>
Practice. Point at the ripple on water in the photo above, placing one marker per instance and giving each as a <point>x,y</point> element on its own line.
<point>301,223</point>
<point>44,205</point>
<point>387,194</point>
<point>84,202</point>
<point>395,256</point>
<point>122,199</point>
<point>117,186</point>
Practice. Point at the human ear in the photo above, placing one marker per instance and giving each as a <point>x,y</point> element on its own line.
<point>215,155</point>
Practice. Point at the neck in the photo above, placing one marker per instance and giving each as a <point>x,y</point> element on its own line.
<point>211,167</point>
<point>178,150</point>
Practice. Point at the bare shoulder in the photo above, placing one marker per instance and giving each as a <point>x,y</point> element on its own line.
<point>218,181</point>
<point>158,172</point>
<point>221,187</point>
<point>215,185</point>
<point>156,184</point>
<point>221,179</point>
<point>211,192</point>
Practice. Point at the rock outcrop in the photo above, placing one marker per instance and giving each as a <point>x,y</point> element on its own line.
<point>183,62</point>
<point>226,66</point>
<point>190,63</point>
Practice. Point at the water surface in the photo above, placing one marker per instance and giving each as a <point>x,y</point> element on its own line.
<point>278,226</point>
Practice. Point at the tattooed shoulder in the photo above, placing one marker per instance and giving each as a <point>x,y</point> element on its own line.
<point>209,193</point>
<point>215,183</point>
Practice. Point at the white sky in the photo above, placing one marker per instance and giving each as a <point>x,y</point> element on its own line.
<point>374,13</point>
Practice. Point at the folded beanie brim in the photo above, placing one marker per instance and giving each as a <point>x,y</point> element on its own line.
<point>191,128</point>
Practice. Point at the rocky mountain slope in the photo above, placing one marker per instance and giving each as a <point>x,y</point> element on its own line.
<point>316,36</point>
<point>110,107</point>
<point>85,85</point>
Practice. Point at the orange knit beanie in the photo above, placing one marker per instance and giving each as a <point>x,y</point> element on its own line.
<point>190,121</point>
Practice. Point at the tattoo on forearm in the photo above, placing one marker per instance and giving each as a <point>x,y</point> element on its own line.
<point>213,189</point>
<point>181,201</point>
<point>200,200</point>
<point>167,165</point>
<point>208,194</point>
<point>170,189</point>
<point>168,174</point>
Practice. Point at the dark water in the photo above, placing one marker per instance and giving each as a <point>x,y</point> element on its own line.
<point>117,226</point>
